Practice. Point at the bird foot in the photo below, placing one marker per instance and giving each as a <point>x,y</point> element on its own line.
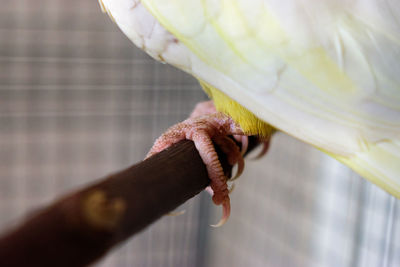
<point>203,131</point>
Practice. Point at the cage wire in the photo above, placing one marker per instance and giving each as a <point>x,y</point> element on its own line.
<point>79,101</point>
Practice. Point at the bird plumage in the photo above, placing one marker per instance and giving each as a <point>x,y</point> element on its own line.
<point>323,71</point>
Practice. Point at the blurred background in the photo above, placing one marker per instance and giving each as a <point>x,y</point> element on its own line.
<point>78,101</point>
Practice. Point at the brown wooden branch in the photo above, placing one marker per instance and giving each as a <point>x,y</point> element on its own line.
<point>81,227</point>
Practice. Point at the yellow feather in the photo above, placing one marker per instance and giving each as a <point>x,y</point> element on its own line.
<point>249,123</point>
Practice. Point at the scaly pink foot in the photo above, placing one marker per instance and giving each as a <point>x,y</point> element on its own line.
<point>203,108</point>
<point>207,108</point>
<point>203,130</point>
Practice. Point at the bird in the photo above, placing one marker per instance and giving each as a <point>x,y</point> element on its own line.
<point>323,71</point>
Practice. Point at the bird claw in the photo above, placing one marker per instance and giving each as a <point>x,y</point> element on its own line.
<point>264,150</point>
<point>203,131</point>
<point>244,141</point>
<point>226,211</point>
<point>176,213</point>
<point>205,126</point>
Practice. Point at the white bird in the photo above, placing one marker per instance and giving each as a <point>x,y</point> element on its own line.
<point>324,71</point>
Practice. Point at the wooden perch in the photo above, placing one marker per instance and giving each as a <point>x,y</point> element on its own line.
<point>81,227</point>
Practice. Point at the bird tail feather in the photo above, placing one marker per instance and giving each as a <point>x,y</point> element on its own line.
<point>380,164</point>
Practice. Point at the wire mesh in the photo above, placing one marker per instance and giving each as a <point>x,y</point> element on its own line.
<point>78,101</point>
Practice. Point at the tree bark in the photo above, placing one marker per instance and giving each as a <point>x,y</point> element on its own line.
<point>81,227</point>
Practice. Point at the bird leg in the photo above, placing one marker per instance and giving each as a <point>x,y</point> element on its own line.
<point>203,130</point>
<point>207,107</point>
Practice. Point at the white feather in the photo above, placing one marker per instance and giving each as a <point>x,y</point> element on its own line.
<point>324,71</point>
